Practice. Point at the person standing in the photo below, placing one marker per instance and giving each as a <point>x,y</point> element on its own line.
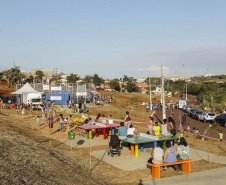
<point>128,120</point>
<point>164,127</point>
<point>172,126</point>
<point>157,129</point>
<point>61,122</point>
<point>221,134</point>
<point>51,120</point>
<point>23,112</point>
<point>84,106</point>
<point>150,125</point>
<point>37,120</point>
<point>184,119</point>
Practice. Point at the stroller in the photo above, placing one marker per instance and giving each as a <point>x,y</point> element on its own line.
<point>114,146</point>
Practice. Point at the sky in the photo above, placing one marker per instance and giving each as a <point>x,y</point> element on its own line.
<point>114,38</point>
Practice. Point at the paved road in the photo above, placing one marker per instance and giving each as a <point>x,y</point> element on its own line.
<point>193,123</point>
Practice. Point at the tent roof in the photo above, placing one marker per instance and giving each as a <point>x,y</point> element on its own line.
<point>25,89</point>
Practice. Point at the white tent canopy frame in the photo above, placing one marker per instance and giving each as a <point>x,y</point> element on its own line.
<point>25,90</point>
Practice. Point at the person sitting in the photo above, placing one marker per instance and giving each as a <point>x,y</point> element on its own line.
<point>157,154</point>
<point>122,132</point>
<point>98,118</point>
<point>110,120</point>
<point>170,156</point>
<point>103,119</point>
<point>182,151</point>
<point>131,132</point>
<point>156,129</point>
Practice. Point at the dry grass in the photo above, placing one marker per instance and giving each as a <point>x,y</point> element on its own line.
<point>27,157</point>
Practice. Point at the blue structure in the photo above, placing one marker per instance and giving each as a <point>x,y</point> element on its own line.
<point>64,92</point>
<point>60,99</point>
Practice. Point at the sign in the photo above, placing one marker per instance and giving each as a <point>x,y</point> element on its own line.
<point>81,93</point>
<point>56,88</point>
<point>55,98</point>
<point>45,87</point>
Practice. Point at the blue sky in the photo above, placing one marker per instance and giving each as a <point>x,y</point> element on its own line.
<point>114,37</point>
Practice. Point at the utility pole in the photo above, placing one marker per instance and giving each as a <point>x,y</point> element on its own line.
<point>186,91</point>
<point>163,97</point>
<point>150,93</point>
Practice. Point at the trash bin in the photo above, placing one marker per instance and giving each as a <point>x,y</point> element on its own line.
<point>71,135</point>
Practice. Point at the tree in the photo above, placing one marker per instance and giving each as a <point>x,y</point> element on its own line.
<point>114,84</point>
<point>13,75</point>
<point>97,80</point>
<point>126,79</point>
<point>88,79</point>
<point>72,78</point>
<point>131,87</point>
<point>39,74</point>
<point>31,78</point>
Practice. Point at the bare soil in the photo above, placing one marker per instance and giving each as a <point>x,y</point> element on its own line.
<point>26,156</point>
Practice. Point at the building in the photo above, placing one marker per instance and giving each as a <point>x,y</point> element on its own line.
<point>46,72</point>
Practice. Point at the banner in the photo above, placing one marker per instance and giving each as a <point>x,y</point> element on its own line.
<point>55,98</point>
<point>81,93</point>
<point>56,88</point>
<point>45,87</point>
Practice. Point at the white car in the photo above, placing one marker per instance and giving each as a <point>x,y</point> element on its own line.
<point>187,109</point>
<point>206,116</point>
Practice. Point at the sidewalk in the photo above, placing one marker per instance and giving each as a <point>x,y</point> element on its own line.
<point>208,177</point>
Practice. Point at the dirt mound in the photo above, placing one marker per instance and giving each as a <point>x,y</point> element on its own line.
<point>25,161</point>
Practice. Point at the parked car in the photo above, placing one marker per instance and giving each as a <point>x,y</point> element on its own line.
<point>196,114</point>
<point>188,109</point>
<point>184,107</point>
<point>221,120</point>
<point>191,112</point>
<point>207,116</point>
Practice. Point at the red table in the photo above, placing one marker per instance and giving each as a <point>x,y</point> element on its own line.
<point>97,127</point>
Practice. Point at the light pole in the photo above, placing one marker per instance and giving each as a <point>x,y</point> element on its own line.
<point>150,93</point>
<point>186,91</point>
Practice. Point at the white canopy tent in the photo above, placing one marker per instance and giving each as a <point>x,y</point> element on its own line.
<point>25,89</point>
<point>27,92</point>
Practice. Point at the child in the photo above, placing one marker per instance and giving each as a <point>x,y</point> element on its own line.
<point>194,130</point>
<point>188,128</point>
<point>23,112</point>
<point>221,134</point>
<point>172,113</point>
<point>62,122</point>
<point>181,135</point>
<point>17,109</point>
<point>37,120</point>
<point>156,129</point>
<point>150,125</point>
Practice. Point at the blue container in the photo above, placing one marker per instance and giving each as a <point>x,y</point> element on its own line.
<point>60,99</point>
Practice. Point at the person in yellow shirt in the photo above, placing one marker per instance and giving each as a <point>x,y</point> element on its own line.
<point>157,129</point>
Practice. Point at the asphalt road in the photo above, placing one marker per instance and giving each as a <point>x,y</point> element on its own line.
<point>193,123</point>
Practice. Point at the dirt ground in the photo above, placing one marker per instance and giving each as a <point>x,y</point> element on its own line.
<point>29,156</point>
